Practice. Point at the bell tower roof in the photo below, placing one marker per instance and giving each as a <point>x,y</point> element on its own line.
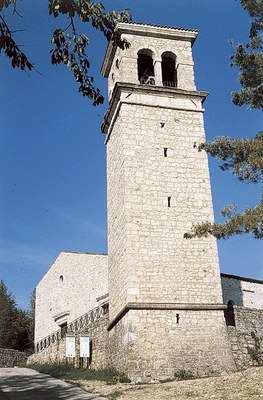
<point>150,30</point>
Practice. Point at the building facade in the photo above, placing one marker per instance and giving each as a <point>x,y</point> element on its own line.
<point>74,284</point>
<point>166,314</point>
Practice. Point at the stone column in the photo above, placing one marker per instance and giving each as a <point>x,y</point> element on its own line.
<point>158,71</point>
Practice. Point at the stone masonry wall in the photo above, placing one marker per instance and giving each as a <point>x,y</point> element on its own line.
<point>149,259</point>
<point>246,337</point>
<point>56,352</point>
<point>10,358</point>
<point>85,279</point>
<point>154,344</point>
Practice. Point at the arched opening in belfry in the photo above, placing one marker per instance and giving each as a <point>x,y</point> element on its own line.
<point>145,67</point>
<point>169,75</point>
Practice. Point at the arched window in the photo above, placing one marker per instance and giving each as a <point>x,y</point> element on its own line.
<point>230,314</point>
<point>145,67</point>
<point>169,75</point>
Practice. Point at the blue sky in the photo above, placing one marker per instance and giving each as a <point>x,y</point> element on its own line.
<point>52,153</point>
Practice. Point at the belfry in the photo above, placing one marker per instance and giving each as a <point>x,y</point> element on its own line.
<point>165,300</point>
<point>156,306</point>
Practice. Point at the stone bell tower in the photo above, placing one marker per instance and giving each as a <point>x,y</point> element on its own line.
<point>166,311</point>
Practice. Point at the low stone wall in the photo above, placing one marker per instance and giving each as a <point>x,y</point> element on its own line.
<point>244,327</point>
<point>245,333</point>
<point>56,352</point>
<point>10,358</point>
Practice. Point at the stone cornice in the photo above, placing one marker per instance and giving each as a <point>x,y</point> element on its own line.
<point>138,28</point>
<point>164,306</point>
<point>161,91</point>
<point>62,315</point>
<point>156,31</point>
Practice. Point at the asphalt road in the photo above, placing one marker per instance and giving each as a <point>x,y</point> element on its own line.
<point>27,384</point>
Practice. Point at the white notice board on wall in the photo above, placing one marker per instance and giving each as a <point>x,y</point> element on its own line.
<point>84,346</point>
<point>70,346</point>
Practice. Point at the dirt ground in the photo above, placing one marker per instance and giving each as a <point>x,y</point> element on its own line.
<point>246,385</point>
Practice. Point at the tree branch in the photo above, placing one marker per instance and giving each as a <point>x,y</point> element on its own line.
<point>12,50</point>
<point>251,221</point>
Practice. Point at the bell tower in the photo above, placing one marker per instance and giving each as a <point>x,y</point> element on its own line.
<point>166,311</point>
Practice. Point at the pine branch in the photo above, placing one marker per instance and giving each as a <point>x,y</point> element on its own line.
<point>251,221</point>
<point>243,157</point>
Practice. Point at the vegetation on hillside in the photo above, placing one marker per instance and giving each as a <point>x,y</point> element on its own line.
<point>16,325</point>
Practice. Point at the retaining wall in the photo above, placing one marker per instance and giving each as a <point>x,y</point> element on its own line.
<point>10,358</point>
<point>56,352</point>
<point>245,332</point>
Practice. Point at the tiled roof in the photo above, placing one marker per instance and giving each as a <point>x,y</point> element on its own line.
<point>162,26</point>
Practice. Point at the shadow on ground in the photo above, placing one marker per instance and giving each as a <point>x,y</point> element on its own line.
<point>34,386</point>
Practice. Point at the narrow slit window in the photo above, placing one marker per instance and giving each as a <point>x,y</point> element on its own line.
<point>169,201</point>
<point>61,281</point>
<point>177,318</point>
<point>165,152</point>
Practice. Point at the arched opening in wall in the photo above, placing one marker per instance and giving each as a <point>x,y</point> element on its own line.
<point>230,314</point>
<point>169,74</point>
<point>145,67</point>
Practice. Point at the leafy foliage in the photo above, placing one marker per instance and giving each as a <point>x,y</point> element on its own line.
<point>243,157</point>
<point>249,59</point>
<point>11,49</point>
<point>6,3</point>
<point>31,319</point>
<point>70,46</point>
<point>15,324</point>
<point>7,314</point>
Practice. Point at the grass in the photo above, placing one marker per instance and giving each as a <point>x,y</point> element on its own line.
<point>68,372</point>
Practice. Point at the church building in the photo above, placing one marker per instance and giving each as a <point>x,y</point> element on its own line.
<point>156,306</point>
